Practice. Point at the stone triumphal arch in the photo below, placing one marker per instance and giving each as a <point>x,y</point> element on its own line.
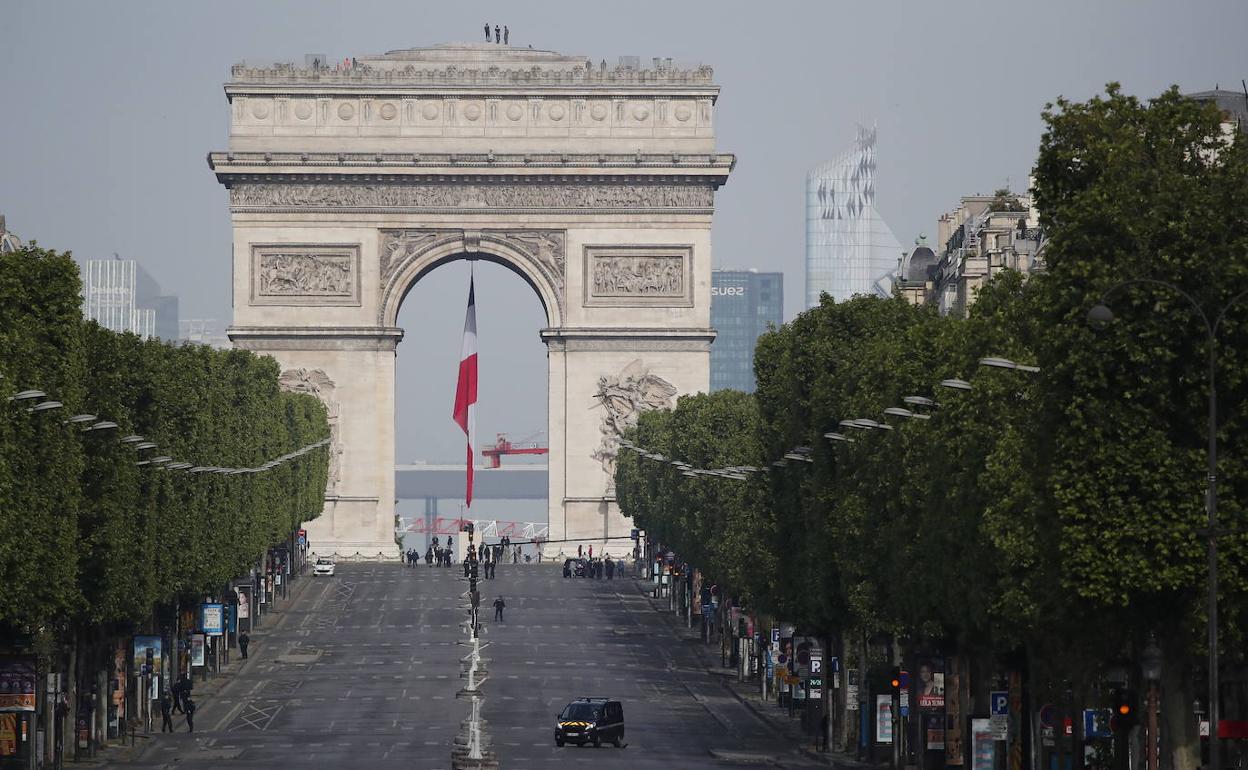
<point>594,184</point>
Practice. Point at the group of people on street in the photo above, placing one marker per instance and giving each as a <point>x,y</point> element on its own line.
<point>590,568</point>
<point>178,701</point>
<point>441,556</point>
<point>434,554</point>
<point>486,557</point>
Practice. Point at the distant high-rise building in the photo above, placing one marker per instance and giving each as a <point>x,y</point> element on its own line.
<point>202,331</point>
<point>849,248</point>
<point>119,295</point>
<point>743,304</point>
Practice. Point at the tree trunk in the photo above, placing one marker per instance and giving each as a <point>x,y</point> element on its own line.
<point>1180,748</point>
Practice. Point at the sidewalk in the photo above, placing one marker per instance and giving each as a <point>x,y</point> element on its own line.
<point>748,692</point>
<point>122,750</point>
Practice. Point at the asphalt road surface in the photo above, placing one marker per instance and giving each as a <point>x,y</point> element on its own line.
<point>362,672</point>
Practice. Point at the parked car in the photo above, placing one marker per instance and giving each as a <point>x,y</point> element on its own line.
<point>590,720</point>
<point>324,567</point>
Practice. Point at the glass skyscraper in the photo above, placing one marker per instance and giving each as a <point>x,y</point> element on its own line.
<point>849,248</point>
<point>119,295</point>
<point>743,304</point>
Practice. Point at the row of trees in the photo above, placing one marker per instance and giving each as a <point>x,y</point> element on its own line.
<point>89,539</point>
<point>1050,521</point>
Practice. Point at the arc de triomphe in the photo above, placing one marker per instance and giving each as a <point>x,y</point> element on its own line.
<point>594,184</point>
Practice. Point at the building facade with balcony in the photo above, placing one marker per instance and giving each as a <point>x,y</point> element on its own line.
<point>983,235</point>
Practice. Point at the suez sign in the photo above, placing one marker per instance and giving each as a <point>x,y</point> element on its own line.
<point>727,291</point>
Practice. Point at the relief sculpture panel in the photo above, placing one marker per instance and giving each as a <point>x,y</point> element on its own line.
<point>638,275</point>
<point>471,196</point>
<point>296,274</point>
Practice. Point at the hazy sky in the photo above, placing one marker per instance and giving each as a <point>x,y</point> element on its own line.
<point>110,109</point>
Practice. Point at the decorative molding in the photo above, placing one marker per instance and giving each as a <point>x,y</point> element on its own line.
<point>224,162</point>
<point>638,275</point>
<point>302,196</point>
<point>305,274</point>
<point>608,345</point>
<point>623,397</point>
<point>543,250</point>
<point>317,383</point>
<point>527,75</point>
<point>264,339</point>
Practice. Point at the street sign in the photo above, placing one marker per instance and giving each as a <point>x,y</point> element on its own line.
<point>816,666</point>
<point>775,634</point>
<point>1000,701</point>
<point>999,724</point>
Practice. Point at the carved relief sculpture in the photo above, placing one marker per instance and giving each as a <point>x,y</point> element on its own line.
<point>305,275</point>
<point>436,196</point>
<point>623,398</point>
<point>316,383</point>
<point>627,276</point>
<point>296,274</point>
<point>546,249</point>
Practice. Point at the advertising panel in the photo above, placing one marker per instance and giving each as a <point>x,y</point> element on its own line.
<point>197,649</point>
<point>244,602</point>
<point>884,718</point>
<point>141,645</point>
<point>212,618</point>
<point>17,683</point>
<point>931,684</point>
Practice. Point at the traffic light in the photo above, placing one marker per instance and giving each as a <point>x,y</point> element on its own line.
<point>894,680</point>
<point>1123,712</point>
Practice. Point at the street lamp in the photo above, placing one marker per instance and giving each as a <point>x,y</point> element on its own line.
<point>897,411</point>
<point>44,406</point>
<point>78,418</point>
<point>1100,316</point>
<point>955,384</point>
<point>1005,363</point>
<point>27,395</point>
<point>838,437</point>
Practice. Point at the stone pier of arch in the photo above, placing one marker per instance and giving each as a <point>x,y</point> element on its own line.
<point>595,185</point>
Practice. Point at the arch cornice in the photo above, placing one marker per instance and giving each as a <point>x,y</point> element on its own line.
<point>537,256</point>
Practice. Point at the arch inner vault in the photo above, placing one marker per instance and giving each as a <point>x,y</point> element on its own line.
<point>595,185</point>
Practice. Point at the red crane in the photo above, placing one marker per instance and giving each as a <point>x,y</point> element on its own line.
<point>494,454</point>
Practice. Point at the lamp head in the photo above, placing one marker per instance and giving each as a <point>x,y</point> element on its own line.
<point>1100,316</point>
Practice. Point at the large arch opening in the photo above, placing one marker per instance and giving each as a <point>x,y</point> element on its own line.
<point>429,299</point>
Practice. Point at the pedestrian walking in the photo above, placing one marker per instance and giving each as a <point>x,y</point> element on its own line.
<point>610,569</point>
<point>499,604</point>
<point>175,690</point>
<point>166,714</point>
<point>187,686</point>
<point>487,32</point>
<point>498,36</point>
<point>429,557</point>
<point>190,715</point>
<point>506,34</point>
<point>244,641</point>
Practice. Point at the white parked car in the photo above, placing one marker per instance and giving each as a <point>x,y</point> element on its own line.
<point>323,566</point>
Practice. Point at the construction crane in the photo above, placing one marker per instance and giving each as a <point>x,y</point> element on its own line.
<point>494,454</point>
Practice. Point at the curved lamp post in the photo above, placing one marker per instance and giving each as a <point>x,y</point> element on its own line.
<point>1100,316</point>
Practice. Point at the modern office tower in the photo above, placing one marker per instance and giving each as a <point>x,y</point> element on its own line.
<point>849,248</point>
<point>743,304</point>
<point>119,295</point>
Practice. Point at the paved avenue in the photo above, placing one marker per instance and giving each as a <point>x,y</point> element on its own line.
<point>362,672</point>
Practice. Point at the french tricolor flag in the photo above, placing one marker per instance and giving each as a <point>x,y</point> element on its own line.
<point>465,414</point>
